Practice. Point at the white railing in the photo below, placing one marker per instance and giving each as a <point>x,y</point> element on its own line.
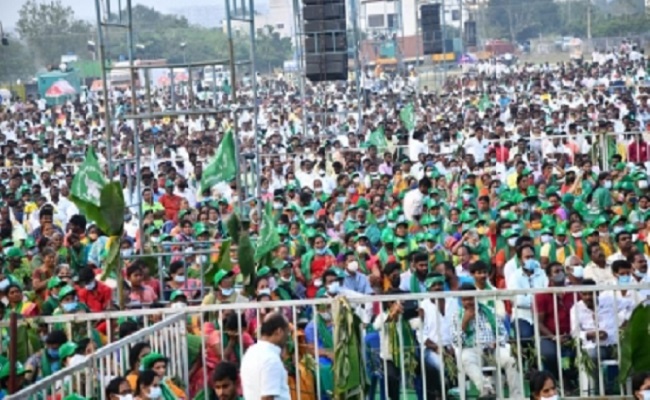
<point>90,377</point>
<point>584,369</point>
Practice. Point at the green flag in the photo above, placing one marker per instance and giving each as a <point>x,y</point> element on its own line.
<point>407,116</point>
<point>484,103</point>
<point>349,370</point>
<point>223,167</point>
<point>269,238</point>
<point>377,139</point>
<point>88,183</point>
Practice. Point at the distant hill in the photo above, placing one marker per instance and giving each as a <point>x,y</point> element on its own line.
<point>210,16</point>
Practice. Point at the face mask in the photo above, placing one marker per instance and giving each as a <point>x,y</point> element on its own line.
<point>560,278</point>
<point>340,199</point>
<point>550,398</point>
<point>362,249</point>
<point>624,279</point>
<point>179,278</point>
<point>646,394</point>
<point>179,304</point>
<point>76,360</point>
<point>515,227</point>
<point>91,286</point>
<point>277,206</point>
<point>643,184</point>
<point>435,231</point>
<point>155,393</point>
<point>53,353</point>
<point>126,252</point>
<point>351,190</point>
<point>578,272</point>
<point>286,280</point>
<point>467,196</point>
<point>560,242</point>
<point>639,274</point>
<point>531,265</point>
<point>381,219</point>
<point>4,284</point>
<point>125,397</point>
<point>227,292</point>
<point>265,291</point>
<point>69,307</point>
<point>603,234</point>
<point>310,220</point>
<point>617,230</point>
<point>577,234</point>
<point>321,252</point>
<point>334,288</point>
<point>512,241</point>
<point>353,266</point>
<point>326,315</point>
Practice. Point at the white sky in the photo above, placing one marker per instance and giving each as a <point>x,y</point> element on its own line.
<point>85,9</point>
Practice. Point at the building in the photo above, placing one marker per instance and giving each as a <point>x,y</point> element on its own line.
<point>383,15</point>
<point>279,15</point>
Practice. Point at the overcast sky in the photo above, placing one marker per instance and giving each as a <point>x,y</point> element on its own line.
<point>85,9</point>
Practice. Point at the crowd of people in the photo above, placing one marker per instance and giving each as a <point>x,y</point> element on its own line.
<point>526,176</point>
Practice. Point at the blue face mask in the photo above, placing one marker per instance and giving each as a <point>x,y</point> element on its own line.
<point>69,307</point>
<point>624,279</point>
<point>531,265</point>
<point>53,353</point>
<point>435,231</point>
<point>321,252</point>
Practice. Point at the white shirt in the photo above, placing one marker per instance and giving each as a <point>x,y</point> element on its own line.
<point>437,327</point>
<point>262,373</point>
<point>478,148</point>
<point>583,321</point>
<point>413,204</point>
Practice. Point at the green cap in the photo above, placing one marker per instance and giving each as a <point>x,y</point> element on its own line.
<point>177,293</point>
<point>54,282</point>
<point>508,233</point>
<point>150,359</point>
<point>588,232</point>
<point>67,349</point>
<point>15,252</point>
<point>65,291</point>
<point>433,280</point>
<point>221,275</point>
<point>561,230</point>
<point>263,271</point>
<point>199,229</point>
<point>30,243</point>
<point>5,370</point>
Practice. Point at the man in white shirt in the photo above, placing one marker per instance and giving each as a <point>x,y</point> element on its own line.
<point>478,145</point>
<point>437,324</point>
<point>414,199</point>
<point>263,375</point>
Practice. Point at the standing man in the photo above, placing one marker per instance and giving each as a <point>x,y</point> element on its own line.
<point>263,374</point>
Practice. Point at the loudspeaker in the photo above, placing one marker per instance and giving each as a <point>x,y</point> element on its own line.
<point>431,29</point>
<point>326,67</point>
<point>326,42</point>
<point>470,33</point>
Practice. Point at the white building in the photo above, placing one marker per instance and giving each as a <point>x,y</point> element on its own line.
<point>384,14</point>
<point>279,16</point>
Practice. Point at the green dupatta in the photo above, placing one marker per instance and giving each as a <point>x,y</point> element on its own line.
<point>324,334</point>
<point>407,350</point>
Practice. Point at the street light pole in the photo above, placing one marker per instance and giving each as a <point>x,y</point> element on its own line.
<point>183,45</point>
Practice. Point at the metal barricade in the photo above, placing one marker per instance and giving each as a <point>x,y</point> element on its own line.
<point>90,377</point>
<point>433,353</point>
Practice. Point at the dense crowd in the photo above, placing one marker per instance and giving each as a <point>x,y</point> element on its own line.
<point>509,177</point>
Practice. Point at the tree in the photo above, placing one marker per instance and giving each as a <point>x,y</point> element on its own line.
<point>51,30</point>
<point>520,20</point>
<point>15,61</point>
<point>271,50</point>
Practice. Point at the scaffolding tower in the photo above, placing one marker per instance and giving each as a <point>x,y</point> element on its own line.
<point>386,40</point>
<point>329,110</point>
<point>117,22</point>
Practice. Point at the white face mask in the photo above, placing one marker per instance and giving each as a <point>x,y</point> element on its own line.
<point>155,393</point>
<point>645,394</point>
<point>265,291</point>
<point>546,238</point>
<point>126,252</point>
<point>578,271</point>
<point>179,304</point>
<point>125,397</point>
<point>607,184</point>
<point>550,398</point>
<point>512,241</point>
<point>76,360</point>
<point>179,278</point>
<point>577,234</point>
<point>353,266</point>
<point>362,249</point>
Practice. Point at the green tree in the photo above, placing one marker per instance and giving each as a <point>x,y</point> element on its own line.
<point>271,50</point>
<point>519,20</point>
<point>51,30</point>
<point>15,61</point>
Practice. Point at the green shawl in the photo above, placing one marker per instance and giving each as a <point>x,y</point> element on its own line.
<point>470,331</point>
<point>407,350</point>
<point>324,333</point>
